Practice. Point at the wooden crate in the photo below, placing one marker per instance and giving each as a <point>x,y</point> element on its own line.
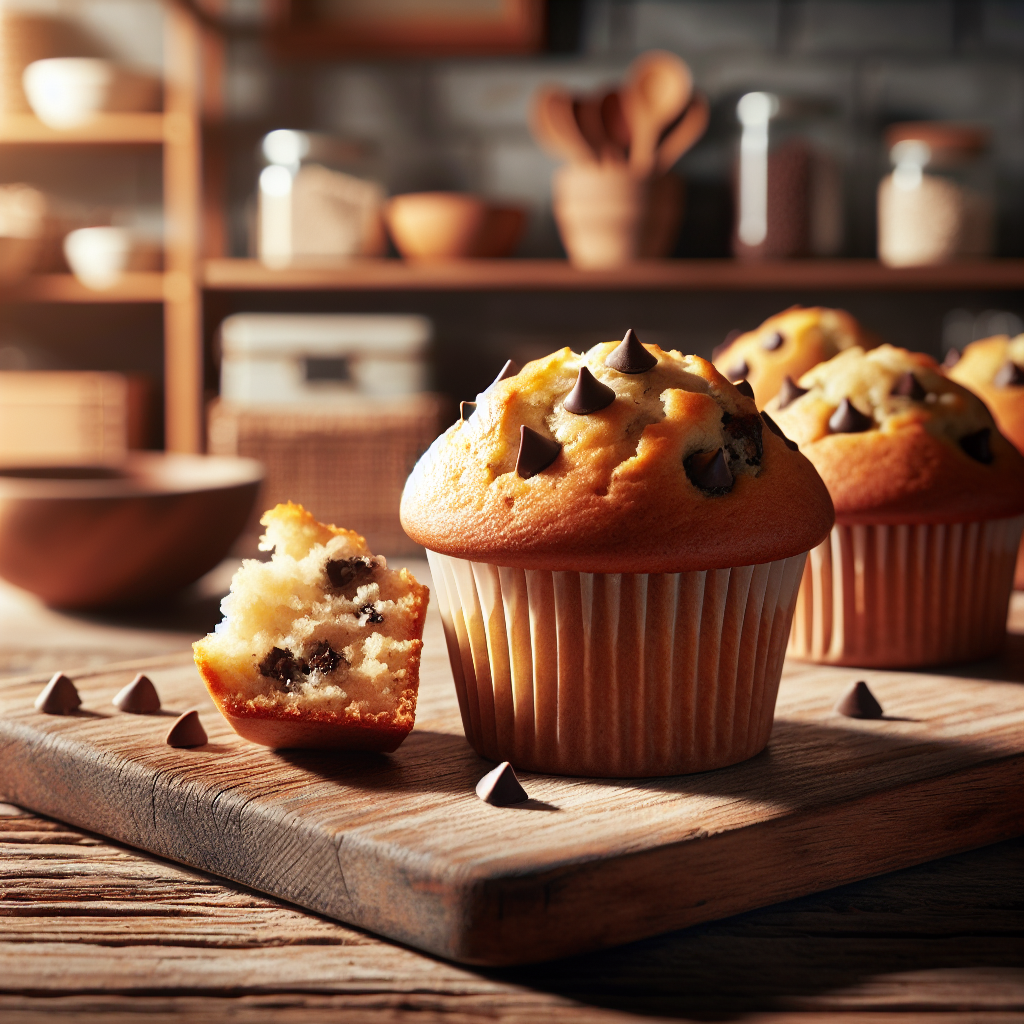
<point>346,463</point>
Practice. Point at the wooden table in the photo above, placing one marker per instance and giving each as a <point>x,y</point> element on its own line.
<point>90,930</point>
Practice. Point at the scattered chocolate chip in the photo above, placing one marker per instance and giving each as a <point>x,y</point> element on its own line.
<point>859,702</point>
<point>588,395</point>
<point>738,371</point>
<point>187,731</point>
<point>510,369</point>
<point>139,697</point>
<point>709,471</point>
<point>59,696</point>
<point>536,452</point>
<point>283,666</point>
<point>466,409</point>
<point>848,419</point>
<point>908,386</point>
<point>777,430</point>
<point>743,437</point>
<point>744,388</point>
<point>789,392</point>
<point>1009,375</point>
<point>978,445</point>
<point>344,572</point>
<point>629,356</point>
<point>371,613</point>
<point>500,787</point>
<point>772,342</point>
<point>325,659</point>
<point>729,339</point>
<point>952,358</point>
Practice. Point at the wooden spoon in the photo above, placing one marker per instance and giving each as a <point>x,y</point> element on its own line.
<point>659,87</point>
<point>587,110</point>
<point>685,134</point>
<point>554,126</point>
<point>614,122</point>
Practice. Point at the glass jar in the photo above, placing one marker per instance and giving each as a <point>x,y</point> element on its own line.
<point>938,202</point>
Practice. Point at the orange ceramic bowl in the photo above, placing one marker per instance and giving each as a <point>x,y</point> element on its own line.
<point>452,225</point>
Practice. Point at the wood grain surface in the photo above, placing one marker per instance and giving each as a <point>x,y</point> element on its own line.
<point>401,846</point>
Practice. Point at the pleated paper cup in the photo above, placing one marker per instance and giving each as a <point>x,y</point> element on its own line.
<point>616,675</point>
<point>910,595</point>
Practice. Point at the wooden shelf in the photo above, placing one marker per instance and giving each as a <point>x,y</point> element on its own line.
<point>106,129</point>
<point>653,275</point>
<point>147,287</point>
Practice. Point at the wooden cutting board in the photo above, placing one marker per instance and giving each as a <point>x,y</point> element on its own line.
<point>400,845</point>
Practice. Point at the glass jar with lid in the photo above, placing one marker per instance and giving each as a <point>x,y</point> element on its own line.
<point>937,204</point>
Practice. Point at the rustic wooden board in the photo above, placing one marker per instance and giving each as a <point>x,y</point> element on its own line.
<point>400,845</point>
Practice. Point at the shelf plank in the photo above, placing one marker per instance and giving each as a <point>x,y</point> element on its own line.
<point>27,129</point>
<point>651,275</point>
<point>134,287</point>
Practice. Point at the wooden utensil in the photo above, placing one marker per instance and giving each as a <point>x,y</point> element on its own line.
<point>659,87</point>
<point>684,134</point>
<point>587,111</point>
<point>554,126</point>
<point>614,122</point>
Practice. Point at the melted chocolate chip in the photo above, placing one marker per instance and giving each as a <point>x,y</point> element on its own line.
<point>500,787</point>
<point>629,356</point>
<point>139,697</point>
<point>324,658</point>
<point>536,452</point>
<point>744,388</point>
<point>466,409</point>
<point>348,572</point>
<point>743,437</point>
<point>848,419</point>
<point>59,696</point>
<point>371,613</point>
<point>510,369</point>
<point>952,358</point>
<point>588,395</point>
<point>772,342</point>
<point>777,430</point>
<point>978,445</point>
<point>1009,375</point>
<point>283,666</point>
<point>187,731</point>
<point>738,371</point>
<point>859,702</point>
<point>908,386</point>
<point>729,339</point>
<point>789,392</point>
<point>709,471</point>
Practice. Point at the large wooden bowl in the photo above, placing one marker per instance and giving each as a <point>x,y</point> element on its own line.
<point>97,536</point>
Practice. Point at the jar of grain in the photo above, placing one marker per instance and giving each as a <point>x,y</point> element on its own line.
<point>937,203</point>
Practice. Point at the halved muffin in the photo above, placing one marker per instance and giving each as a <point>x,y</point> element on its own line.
<point>320,646</point>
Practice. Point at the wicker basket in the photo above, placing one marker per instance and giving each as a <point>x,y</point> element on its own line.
<point>347,463</point>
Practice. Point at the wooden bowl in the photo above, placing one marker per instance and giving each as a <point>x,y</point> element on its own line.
<point>98,536</point>
<point>452,225</point>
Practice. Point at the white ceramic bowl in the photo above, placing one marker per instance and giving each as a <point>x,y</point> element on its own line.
<point>65,92</point>
<point>98,256</point>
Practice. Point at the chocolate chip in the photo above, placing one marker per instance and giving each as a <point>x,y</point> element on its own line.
<point>629,356</point>
<point>738,371</point>
<point>344,572</point>
<point>187,731</point>
<point>908,386</point>
<point>1009,375</point>
<point>588,395</point>
<point>371,613</point>
<point>510,369</point>
<point>466,409</point>
<point>59,696</point>
<point>709,471</point>
<point>139,697</point>
<point>324,658</point>
<point>978,445</point>
<point>729,339</point>
<point>777,430</point>
<point>952,358</point>
<point>772,342</point>
<point>743,437</point>
<point>859,702</point>
<point>282,665</point>
<point>500,787</point>
<point>789,392</point>
<point>744,388</point>
<point>536,452</point>
<point>848,419</point>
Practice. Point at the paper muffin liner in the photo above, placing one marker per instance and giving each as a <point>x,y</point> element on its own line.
<point>911,595</point>
<point>616,675</point>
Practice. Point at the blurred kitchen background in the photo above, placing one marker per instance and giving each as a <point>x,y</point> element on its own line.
<point>386,97</point>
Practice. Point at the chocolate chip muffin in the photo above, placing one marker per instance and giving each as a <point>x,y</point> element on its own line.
<point>320,646</point>
<point>616,539</point>
<point>929,512</point>
<point>787,345</point>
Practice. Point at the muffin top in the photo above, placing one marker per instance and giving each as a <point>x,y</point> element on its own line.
<point>624,459</point>
<point>896,441</point>
<point>788,345</point>
<point>993,368</point>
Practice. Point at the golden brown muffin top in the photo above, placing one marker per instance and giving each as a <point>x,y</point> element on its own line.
<point>896,441</point>
<point>664,466</point>
<point>788,345</point>
<point>993,368</point>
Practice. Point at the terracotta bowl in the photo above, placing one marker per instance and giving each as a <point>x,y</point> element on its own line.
<point>99,536</point>
<point>452,225</point>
